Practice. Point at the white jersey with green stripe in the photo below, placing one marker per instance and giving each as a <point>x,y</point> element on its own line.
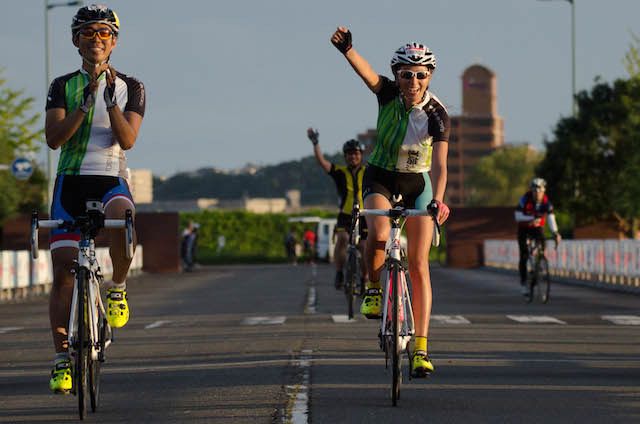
<point>404,138</point>
<point>93,149</point>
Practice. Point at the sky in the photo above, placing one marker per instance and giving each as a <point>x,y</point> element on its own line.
<point>229,83</point>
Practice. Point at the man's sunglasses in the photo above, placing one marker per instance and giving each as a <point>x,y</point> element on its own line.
<point>535,187</point>
<point>89,33</point>
<point>409,74</point>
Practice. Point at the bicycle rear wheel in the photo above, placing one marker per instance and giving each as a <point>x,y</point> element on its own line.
<point>531,279</point>
<point>544,281</point>
<point>396,359</point>
<point>82,347</point>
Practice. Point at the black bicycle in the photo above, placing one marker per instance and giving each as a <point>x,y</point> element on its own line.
<point>354,283</point>
<point>538,276</point>
<point>89,332</point>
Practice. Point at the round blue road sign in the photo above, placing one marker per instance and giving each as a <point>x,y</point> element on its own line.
<point>21,168</point>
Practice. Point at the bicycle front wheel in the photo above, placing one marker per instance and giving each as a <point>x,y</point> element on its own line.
<point>543,281</point>
<point>531,279</point>
<point>83,345</point>
<point>94,366</point>
<point>396,359</point>
<point>350,281</point>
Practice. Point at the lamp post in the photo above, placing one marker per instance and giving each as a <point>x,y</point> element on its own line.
<point>47,64</point>
<point>573,54</point>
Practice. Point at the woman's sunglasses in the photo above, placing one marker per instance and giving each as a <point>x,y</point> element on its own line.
<point>89,33</point>
<point>409,74</point>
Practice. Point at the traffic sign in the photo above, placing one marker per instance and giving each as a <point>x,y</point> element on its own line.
<point>21,168</point>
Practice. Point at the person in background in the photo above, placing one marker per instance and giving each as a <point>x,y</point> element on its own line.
<point>348,180</point>
<point>290,242</point>
<point>532,211</point>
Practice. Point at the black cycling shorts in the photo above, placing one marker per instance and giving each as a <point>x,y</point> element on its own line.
<point>344,224</point>
<point>415,188</point>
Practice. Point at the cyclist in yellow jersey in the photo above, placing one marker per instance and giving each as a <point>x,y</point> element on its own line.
<point>410,159</point>
<point>348,181</point>
<point>94,115</point>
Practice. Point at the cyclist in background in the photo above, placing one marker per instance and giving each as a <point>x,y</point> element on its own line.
<point>412,126</point>
<point>532,211</point>
<point>348,181</point>
<point>94,114</point>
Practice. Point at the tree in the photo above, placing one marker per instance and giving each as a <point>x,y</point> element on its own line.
<point>501,178</point>
<point>17,137</point>
<point>592,162</point>
<point>631,59</point>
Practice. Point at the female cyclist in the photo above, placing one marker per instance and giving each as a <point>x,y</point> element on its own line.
<point>410,152</point>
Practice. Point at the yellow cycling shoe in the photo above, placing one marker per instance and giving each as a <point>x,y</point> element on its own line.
<point>371,303</point>
<point>61,378</point>
<point>421,365</point>
<point>117,307</point>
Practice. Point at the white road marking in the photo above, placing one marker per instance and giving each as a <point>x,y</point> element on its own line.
<point>449,319</point>
<point>4,330</point>
<point>264,320</point>
<point>157,324</point>
<point>622,319</point>
<point>310,307</point>
<point>341,319</point>
<point>536,319</point>
<point>298,411</point>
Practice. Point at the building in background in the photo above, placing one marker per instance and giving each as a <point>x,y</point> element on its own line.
<point>141,185</point>
<point>476,133</point>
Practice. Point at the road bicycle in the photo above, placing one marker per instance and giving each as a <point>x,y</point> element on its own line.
<point>89,333</point>
<point>354,283</point>
<point>397,325</point>
<point>538,277</point>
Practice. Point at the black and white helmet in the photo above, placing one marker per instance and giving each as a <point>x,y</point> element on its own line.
<point>413,54</point>
<point>95,14</point>
<point>538,183</point>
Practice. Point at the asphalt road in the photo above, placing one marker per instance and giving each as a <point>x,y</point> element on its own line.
<point>270,344</point>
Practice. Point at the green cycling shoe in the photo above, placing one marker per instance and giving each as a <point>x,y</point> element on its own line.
<point>61,378</point>
<point>371,303</point>
<point>421,365</point>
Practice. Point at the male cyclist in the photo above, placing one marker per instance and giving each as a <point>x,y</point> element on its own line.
<point>348,181</point>
<point>94,114</point>
<point>409,159</point>
<point>530,213</point>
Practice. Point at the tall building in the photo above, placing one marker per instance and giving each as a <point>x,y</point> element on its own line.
<point>141,185</point>
<point>476,133</point>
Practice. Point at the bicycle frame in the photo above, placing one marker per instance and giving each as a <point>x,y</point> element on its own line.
<point>87,260</point>
<point>394,255</point>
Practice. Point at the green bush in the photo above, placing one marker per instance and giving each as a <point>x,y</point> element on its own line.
<point>257,238</point>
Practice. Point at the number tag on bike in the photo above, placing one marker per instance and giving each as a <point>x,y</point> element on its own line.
<point>415,158</point>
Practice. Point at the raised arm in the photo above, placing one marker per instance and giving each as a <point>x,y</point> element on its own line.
<point>313,136</point>
<point>341,39</point>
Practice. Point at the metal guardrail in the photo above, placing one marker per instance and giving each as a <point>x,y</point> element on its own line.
<point>21,276</point>
<point>609,263</point>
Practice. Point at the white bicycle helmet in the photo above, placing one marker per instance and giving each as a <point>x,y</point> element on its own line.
<point>413,54</point>
<point>538,182</point>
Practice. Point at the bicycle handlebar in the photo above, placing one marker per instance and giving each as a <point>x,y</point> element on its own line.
<point>126,223</point>
<point>399,212</point>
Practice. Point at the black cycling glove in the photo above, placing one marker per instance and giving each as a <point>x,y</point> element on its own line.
<point>345,45</point>
<point>88,99</point>
<point>313,135</point>
<point>110,96</point>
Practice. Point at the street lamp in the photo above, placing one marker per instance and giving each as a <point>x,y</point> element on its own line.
<point>47,64</point>
<point>573,54</point>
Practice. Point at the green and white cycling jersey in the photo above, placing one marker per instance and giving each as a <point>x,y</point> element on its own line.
<point>93,149</point>
<point>404,138</point>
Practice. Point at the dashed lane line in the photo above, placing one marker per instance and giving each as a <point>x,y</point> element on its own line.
<point>535,319</point>
<point>272,320</point>
<point>157,324</point>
